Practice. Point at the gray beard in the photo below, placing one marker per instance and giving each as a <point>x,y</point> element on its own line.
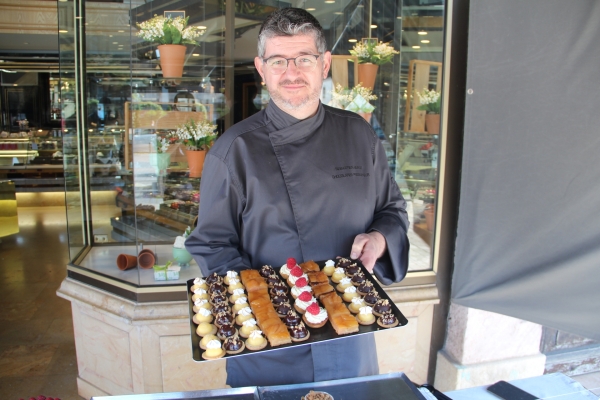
<point>282,103</point>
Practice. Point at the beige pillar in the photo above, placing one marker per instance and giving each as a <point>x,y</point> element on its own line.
<point>482,348</point>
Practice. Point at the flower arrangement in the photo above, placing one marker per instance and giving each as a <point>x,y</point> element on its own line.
<point>162,145</point>
<point>373,52</point>
<point>430,101</point>
<point>355,99</point>
<point>163,30</point>
<point>180,240</point>
<point>196,135</point>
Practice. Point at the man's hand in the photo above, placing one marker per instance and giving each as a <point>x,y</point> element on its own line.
<point>368,247</point>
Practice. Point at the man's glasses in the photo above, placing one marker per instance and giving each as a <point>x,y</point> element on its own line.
<point>304,63</point>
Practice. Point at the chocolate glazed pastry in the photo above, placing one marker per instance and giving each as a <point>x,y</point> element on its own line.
<point>277,291</point>
<point>292,318</point>
<point>265,271</point>
<point>216,288</point>
<point>358,279</point>
<point>283,309</point>
<point>382,307</point>
<point>371,298</point>
<point>226,331</point>
<point>344,262</point>
<point>299,332</point>
<point>223,318</point>
<point>387,320</point>
<point>219,308</point>
<point>352,269</point>
<point>233,345</point>
<point>213,278</point>
<point>277,300</point>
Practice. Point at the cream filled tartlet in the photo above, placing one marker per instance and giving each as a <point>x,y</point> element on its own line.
<point>329,267</point>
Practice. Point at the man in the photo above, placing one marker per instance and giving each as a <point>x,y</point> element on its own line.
<point>301,180</point>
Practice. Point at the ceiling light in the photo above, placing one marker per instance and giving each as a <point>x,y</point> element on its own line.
<point>373,26</point>
<point>115,42</point>
<point>201,27</point>
<point>329,1</point>
<point>398,17</point>
<point>63,31</point>
<point>110,35</point>
<point>195,55</point>
<point>311,9</point>
<point>352,40</point>
<point>422,33</point>
<point>120,31</point>
<point>338,13</point>
<point>416,47</point>
<point>425,41</point>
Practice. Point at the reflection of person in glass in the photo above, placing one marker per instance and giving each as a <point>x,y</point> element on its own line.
<point>304,180</point>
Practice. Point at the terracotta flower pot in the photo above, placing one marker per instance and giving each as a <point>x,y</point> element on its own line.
<point>146,259</point>
<point>432,123</point>
<point>172,58</point>
<point>195,159</point>
<point>126,261</point>
<point>366,116</point>
<point>367,73</point>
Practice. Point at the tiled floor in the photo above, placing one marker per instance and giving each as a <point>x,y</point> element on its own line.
<point>37,350</point>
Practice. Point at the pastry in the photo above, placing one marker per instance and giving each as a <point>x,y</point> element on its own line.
<point>339,316</point>
<point>223,318</point>
<point>266,317</point>
<point>218,298</point>
<point>321,289</point>
<point>292,318</point>
<point>213,278</point>
<point>352,269</point>
<point>337,275</point>
<point>349,294</point>
<point>205,339</point>
<point>329,267</point>
<point>216,287</point>
<point>295,274</point>
<point>344,283</point>
<point>387,320</point>
<point>364,288</point>
<point>225,331</point>
<point>199,294</point>
<point>371,298</point>
<point>256,341</point>
<point>266,270</point>
<point>233,345</point>
<point>315,316</point>
<point>365,316</point>
<point>213,350</point>
<point>233,285</point>
<point>314,395</point>
<point>317,277</point>
<point>203,315</point>
<point>382,307</point>
<point>248,326</point>
<point>284,271</point>
<point>205,329</point>
<point>230,275</point>
<point>310,266</point>
<point>356,304</point>
<point>219,308</point>
<point>299,333</point>
<point>279,287</point>
<point>239,303</point>
<point>343,262</point>
<point>243,315</point>
<point>304,300</point>
<point>296,290</point>
<point>236,294</point>
<point>273,280</point>
<point>249,274</point>
<point>198,283</point>
<point>358,279</point>
<point>283,309</point>
<point>201,303</point>
<point>277,300</point>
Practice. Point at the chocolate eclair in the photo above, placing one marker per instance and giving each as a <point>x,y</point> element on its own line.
<point>381,307</point>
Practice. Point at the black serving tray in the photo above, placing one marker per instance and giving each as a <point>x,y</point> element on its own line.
<point>316,334</point>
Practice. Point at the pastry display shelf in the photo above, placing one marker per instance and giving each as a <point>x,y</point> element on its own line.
<point>317,335</point>
<point>386,386</point>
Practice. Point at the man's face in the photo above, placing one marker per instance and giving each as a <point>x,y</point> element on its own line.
<point>294,91</point>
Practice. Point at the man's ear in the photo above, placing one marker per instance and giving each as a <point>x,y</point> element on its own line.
<point>326,63</point>
<point>258,63</point>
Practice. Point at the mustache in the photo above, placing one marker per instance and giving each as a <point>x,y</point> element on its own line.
<point>298,81</point>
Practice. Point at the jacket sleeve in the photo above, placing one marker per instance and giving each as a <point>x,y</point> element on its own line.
<point>391,220</point>
<point>214,243</point>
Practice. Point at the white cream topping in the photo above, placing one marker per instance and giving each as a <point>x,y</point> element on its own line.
<point>339,271</point>
<point>296,290</point>
<point>329,263</point>
<point>284,269</point>
<point>213,344</point>
<point>233,281</point>
<point>366,310</point>
<point>304,304</point>
<point>358,301</point>
<point>350,289</point>
<point>293,278</point>
<point>200,302</point>
<point>199,281</point>
<point>199,291</point>
<point>241,300</point>
<point>315,319</point>
<point>238,292</point>
<point>255,334</point>
<point>205,312</point>
<point>245,311</point>
<point>346,281</point>
<point>232,274</point>
<point>249,322</point>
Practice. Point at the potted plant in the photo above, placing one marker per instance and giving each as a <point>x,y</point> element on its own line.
<point>170,34</point>
<point>371,54</point>
<point>355,99</point>
<point>197,137</point>
<point>430,102</point>
<point>161,159</point>
<point>180,254</point>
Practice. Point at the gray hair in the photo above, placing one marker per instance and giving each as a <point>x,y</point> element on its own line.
<point>291,22</point>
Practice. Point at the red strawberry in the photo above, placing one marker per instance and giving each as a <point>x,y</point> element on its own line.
<point>291,262</point>
<point>296,271</point>
<point>301,282</point>
<point>313,309</point>
<point>305,296</point>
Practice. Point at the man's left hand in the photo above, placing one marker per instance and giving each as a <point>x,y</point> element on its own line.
<point>368,247</point>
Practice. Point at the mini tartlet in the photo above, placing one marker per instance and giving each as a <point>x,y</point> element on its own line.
<point>256,341</point>
<point>338,275</point>
<point>304,300</point>
<point>329,267</point>
<point>248,327</point>
<point>239,303</point>
<point>344,283</point>
<point>203,315</point>
<point>349,294</point>
<point>198,283</point>
<point>315,316</point>
<point>205,339</point>
<point>356,304</point>
<point>382,307</point>
<point>299,333</point>
<point>284,271</point>
<point>387,320</point>
<point>230,275</point>
<point>205,328</point>
<point>233,345</point>
<point>365,316</point>
<point>213,350</point>
<point>201,303</point>
<point>243,315</point>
